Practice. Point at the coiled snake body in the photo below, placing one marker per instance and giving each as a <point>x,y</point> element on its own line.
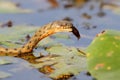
<point>44,31</point>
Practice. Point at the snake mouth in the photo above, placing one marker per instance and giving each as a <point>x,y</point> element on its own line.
<point>75,32</point>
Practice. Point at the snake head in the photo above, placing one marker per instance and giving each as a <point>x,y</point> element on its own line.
<point>65,26</point>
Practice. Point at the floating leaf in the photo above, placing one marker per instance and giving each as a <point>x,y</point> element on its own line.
<point>67,61</point>
<point>113,7</point>
<point>4,61</point>
<point>4,74</point>
<point>14,35</point>
<point>61,35</point>
<point>104,56</point>
<point>9,7</point>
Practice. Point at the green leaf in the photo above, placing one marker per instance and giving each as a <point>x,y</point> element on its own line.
<point>4,74</point>
<point>9,7</point>
<point>68,60</point>
<point>11,36</point>
<point>4,61</point>
<point>103,56</point>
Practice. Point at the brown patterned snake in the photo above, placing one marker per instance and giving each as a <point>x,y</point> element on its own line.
<point>44,31</point>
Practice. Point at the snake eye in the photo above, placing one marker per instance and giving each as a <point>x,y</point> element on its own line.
<point>64,24</point>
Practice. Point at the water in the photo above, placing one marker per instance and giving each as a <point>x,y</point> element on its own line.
<point>43,14</point>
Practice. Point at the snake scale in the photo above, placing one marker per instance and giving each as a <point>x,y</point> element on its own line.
<point>44,31</point>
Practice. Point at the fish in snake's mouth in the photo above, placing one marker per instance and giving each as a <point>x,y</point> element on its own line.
<point>75,32</point>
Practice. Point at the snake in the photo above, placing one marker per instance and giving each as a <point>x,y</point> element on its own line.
<point>44,31</point>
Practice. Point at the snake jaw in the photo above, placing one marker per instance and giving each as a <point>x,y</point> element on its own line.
<point>65,26</point>
<point>75,32</point>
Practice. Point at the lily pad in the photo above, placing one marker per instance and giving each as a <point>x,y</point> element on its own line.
<point>11,36</point>
<point>103,56</point>
<point>67,60</point>
<point>10,7</point>
<point>4,61</point>
<point>4,75</point>
<point>61,35</point>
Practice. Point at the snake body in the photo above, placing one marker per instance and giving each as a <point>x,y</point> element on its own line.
<point>44,31</point>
